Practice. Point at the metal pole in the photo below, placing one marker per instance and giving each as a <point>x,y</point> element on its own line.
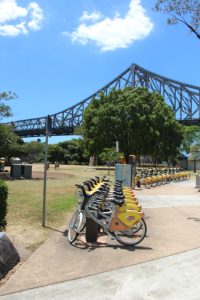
<point>108,168</point>
<point>133,175</point>
<point>45,176</point>
<point>117,150</point>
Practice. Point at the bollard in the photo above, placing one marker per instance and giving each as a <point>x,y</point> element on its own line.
<point>197,181</point>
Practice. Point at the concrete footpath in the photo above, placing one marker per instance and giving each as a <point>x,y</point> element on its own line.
<point>172,278</point>
<point>164,266</point>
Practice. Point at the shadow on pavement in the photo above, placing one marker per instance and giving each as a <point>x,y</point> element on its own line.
<point>82,244</point>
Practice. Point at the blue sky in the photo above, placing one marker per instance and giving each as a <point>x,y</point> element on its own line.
<point>56,53</point>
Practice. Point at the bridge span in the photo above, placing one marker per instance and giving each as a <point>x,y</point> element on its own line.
<point>183,98</point>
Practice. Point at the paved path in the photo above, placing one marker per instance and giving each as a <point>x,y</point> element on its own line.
<point>175,277</point>
<point>155,201</point>
<point>173,227</point>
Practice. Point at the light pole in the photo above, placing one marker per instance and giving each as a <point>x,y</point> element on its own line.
<point>48,125</point>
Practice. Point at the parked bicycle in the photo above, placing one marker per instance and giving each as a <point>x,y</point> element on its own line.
<point>116,212</point>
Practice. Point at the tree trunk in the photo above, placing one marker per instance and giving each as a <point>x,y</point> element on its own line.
<point>138,160</point>
<point>126,155</point>
<point>195,166</point>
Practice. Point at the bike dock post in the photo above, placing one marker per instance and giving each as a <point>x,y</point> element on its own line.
<point>92,229</point>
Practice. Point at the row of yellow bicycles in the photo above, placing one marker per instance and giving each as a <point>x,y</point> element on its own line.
<point>112,211</point>
<point>153,177</point>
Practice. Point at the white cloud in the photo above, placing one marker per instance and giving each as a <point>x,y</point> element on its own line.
<point>113,33</point>
<point>36,16</point>
<point>15,20</point>
<point>95,16</point>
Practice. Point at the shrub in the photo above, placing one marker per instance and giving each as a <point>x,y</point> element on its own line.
<point>3,204</point>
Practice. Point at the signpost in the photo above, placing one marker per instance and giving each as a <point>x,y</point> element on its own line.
<point>117,146</point>
<point>132,161</point>
<point>48,123</point>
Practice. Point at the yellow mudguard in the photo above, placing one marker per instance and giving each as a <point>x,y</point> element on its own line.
<point>130,217</point>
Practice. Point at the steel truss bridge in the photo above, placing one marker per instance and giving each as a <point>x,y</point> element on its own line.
<point>183,98</point>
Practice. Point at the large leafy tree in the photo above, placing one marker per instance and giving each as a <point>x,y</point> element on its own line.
<point>186,12</point>
<point>191,143</point>
<point>73,152</point>
<point>32,151</point>
<point>9,142</point>
<point>191,136</point>
<point>108,155</point>
<point>56,153</point>
<point>139,120</point>
<point>195,154</point>
<point>5,110</point>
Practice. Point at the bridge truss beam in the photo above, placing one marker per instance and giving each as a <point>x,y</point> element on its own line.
<point>183,98</point>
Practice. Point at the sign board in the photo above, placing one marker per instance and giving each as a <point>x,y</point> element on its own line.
<point>124,172</point>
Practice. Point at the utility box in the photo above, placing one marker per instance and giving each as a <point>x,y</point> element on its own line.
<point>124,172</point>
<point>27,171</point>
<point>19,171</point>
<point>16,171</point>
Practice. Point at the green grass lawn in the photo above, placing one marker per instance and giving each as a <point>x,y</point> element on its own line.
<point>25,203</point>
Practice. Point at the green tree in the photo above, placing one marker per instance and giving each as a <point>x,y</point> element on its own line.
<point>74,151</point>
<point>108,155</point>
<point>195,154</point>
<point>56,153</point>
<point>8,140</point>
<point>186,12</point>
<point>191,135</point>
<point>32,152</point>
<point>139,120</point>
<point>5,110</point>
<point>7,137</point>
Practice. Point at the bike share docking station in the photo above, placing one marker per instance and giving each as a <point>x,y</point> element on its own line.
<point>124,173</point>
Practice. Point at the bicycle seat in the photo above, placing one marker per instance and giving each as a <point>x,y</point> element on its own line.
<point>118,194</point>
<point>119,202</point>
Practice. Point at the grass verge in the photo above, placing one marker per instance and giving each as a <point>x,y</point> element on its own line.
<point>25,203</point>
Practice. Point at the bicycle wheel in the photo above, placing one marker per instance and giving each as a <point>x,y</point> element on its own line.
<point>132,236</point>
<point>75,226</point>
<point>188,176</point>
<point>158,182</point>
<point>148,185</point>
<point>154,184</point>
